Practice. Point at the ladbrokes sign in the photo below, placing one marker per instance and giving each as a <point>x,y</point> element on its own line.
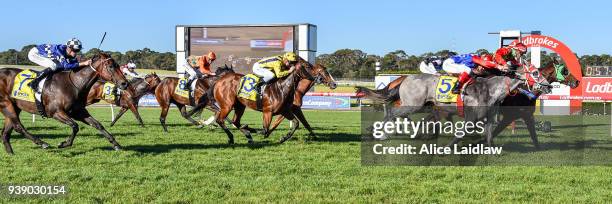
<point>597,87</point>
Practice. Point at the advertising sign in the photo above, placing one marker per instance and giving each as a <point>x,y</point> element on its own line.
<point>326,102</point>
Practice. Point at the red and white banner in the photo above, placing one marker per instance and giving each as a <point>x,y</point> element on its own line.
<point>597,87</point>
<point>593,89</point>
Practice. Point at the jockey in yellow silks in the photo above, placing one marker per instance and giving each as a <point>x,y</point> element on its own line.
<point>275,67</point>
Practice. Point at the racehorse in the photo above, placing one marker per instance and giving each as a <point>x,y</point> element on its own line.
<point>128,98</point>
<point>277,99</point>
<point>302,87</point>
<point>64,99</point>
<point>165,95</point>
<point>416,91</point>
<point>519,106</point>
<point>522,106</point>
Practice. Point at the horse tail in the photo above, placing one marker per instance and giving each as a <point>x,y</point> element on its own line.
<point>380,95</point>
<point>392,94</point>
<point>385,94</point>
<point>208,99</point>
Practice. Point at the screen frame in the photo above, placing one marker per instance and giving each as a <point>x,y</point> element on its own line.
<point>294,26</point>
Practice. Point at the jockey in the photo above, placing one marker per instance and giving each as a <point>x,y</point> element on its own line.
<point>510,56</point>
<point>433,64</point>
<point>128,69</point>
<point>271,67</point>
<point>55,57</point>
<point>201,63</point>
<point>459,63</point>
<point>472,62</point>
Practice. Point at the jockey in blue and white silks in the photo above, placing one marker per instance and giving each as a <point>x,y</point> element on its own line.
<point>56,57</point>
<point>459,63</point>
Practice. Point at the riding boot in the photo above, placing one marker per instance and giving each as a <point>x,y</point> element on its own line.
<point>463,78</point>
<point>259,100</point>
<point>43,74</point>
<point>188,84</point>
<point>258,87</point>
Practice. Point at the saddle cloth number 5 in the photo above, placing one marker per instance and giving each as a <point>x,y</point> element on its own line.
<point>447,85</point>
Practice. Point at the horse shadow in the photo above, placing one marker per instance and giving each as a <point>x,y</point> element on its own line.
<point>43,136</point>
<point>337,137</point>
<point>166,148</point>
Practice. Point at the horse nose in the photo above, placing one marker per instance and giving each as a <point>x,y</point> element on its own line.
<point>333,85</point>
<point>577,83</point>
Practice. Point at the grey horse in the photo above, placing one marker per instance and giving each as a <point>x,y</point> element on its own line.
<point>480,98</point>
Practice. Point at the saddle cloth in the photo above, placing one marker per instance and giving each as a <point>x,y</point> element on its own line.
<point>21,89</point>
<point>181,87</point>
<point>443,90</point>
<point>246,87</point>
<point>108,92</point>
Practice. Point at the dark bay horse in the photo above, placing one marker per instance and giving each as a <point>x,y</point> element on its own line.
<point>302,87</point>
<point>164,93</point>
<point>277,99</point>
<point>128,100</point>
<point>64,99</point>
<point>519,106</point>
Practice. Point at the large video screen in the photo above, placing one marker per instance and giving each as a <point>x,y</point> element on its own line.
<point>240,47</point>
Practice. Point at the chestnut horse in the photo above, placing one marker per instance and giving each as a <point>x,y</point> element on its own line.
<point>302,87</point>
<point>129,98</point>
<point>164,93</point>
<point>64,99</point>
<point>142,87</point>
<point>277,99</point>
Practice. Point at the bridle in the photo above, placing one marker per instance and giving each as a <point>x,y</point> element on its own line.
<point>108,67</point>
<point>318,79</point>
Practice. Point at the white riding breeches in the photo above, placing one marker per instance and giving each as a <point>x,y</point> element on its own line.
<point>43,61</point>
<point>450,66</point>
<point>129,73</point>
<point>263,72</point>
<point>428,68</point>
<point>190,70</point>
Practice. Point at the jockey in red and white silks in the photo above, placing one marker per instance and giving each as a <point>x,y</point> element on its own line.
<point>128,69</point>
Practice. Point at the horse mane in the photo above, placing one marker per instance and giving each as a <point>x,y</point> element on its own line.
<point>224,69</point>
<point>97,57</point>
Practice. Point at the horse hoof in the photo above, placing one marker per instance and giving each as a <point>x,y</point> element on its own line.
<point>251,142</point>
<point>283,139</point>
<point>63,144</point>
<point>44,145</point>
<point>230,142</point>
<point>117,148</point>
